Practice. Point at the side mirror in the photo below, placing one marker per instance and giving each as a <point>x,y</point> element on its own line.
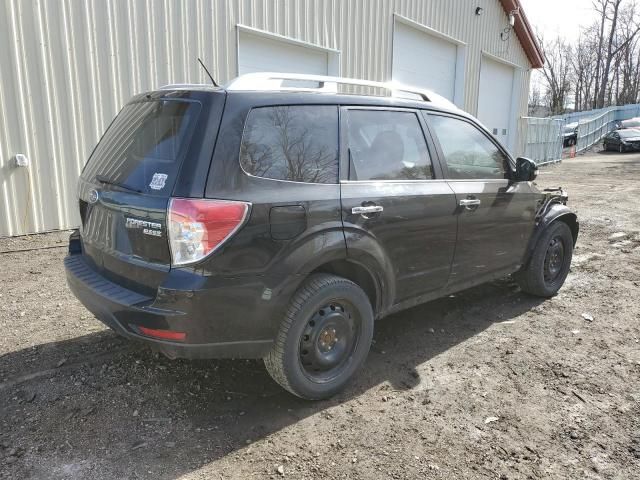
<point>526,170</point>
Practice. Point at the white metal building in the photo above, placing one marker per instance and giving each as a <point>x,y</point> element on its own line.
<point>67,67</point>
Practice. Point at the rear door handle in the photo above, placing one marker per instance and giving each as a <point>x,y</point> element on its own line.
<point>367,209</point>
<point>470,202</point>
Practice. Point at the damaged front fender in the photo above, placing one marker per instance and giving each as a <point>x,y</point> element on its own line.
<point>552,208</point>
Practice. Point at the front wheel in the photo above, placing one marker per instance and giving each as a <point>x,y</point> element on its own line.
<point>324,338</point>
<point>550,262</point>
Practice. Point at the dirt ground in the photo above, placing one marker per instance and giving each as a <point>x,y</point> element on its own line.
<point>490,383</point>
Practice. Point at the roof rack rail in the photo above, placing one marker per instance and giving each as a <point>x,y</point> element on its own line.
<point>326,84</point>
<point>188,86</point>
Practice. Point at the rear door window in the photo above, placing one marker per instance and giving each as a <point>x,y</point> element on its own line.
<point>468,153</point>
<point>144,147</point>
<point>296,143</point>
<point>387,145</point>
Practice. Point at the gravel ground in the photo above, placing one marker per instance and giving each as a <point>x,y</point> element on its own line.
<point>490,383</point>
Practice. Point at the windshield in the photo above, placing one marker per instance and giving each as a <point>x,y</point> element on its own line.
<point>628,133</point>
<point>631,123</point>
<point>143,148</point>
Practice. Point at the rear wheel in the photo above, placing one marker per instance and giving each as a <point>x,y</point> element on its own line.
<point>549,265</point>
<point>324,339</point>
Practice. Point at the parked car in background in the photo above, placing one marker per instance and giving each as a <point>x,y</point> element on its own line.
<point>264,221</point>
<point>624,140</point>
<point>630,123</point>
<point>570,134</point>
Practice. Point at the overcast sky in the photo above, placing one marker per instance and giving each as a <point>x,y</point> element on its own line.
<point>559,17</point>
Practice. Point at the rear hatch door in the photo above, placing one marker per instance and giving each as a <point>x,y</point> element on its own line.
<point>126,186</point>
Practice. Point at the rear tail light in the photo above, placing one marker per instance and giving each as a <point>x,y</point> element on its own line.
<point>197,227</point>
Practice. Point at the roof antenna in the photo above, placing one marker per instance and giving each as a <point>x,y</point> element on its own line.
<point>210,76</point>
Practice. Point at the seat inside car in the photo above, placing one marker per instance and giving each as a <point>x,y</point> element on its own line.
<point>387,148</point>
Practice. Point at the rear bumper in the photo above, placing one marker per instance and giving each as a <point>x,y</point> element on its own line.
<point>220,321</point>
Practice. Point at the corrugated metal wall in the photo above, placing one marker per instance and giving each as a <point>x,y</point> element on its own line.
<point>67,66</point>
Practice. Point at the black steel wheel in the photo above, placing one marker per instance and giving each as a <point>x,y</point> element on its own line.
<point>554,259</point>
<point>550,262</point>
<point>328,340</point>
<point>324,338</point>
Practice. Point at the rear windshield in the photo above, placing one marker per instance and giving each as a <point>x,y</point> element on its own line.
<point>143,148</point>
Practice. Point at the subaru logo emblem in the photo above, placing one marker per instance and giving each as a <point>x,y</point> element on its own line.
<point>93,196</point>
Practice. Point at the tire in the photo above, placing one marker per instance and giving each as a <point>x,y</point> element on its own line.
<point>621,148</point>
<point>324,338</point>
<point>545,273</point>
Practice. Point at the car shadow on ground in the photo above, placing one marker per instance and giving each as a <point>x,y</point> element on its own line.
<point>616,153</point>
<point>607,152</point>
<point>97,405</point>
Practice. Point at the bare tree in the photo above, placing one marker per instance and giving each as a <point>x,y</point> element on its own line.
<point>601,6</point>
<point>611,15</point>
<point>627,61</point>
<point>535,99</point>
<point>603,67</point>
<point>583,64</point>
<point>557,72</point>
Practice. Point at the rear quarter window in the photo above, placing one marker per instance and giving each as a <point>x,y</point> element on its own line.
<point>296,143</point>
<point>145,145</point>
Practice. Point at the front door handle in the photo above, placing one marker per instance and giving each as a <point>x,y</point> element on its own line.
<point>470,203</point>
<point>367,209</point>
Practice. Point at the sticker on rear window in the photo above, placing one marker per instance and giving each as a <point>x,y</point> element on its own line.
<point>158,181</point>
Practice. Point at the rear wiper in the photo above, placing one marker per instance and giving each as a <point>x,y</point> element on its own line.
<point>107,181</point>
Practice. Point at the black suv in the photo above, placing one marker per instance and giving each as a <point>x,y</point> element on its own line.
<point>255,221</point>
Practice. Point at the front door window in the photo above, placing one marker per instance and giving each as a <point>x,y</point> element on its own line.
<point>468,153</point>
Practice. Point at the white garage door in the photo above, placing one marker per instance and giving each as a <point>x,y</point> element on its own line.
<point>424,60</point>
<point>495,97</point>
<point>257,53</point>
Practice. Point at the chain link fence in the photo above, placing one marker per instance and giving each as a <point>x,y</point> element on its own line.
<point>541,139</point>
<point>591,130</point>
